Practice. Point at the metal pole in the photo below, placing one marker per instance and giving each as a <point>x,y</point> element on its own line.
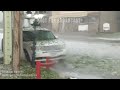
<point>33,56</point>
<point>99,26</point>
<point>34,47</point>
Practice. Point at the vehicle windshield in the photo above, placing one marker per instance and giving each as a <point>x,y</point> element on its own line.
<point>39,34</point>
<point>44,35</point>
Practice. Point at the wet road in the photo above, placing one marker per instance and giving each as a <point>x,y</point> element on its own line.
<point>81,46</point>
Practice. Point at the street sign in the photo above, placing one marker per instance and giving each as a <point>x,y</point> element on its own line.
<point>83,28</point>
<point>7,40</point>
<point>106,26</point>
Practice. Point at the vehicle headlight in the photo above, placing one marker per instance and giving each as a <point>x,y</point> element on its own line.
<point>62,46</point>
<point>41,52</point>
<point>39,49</point>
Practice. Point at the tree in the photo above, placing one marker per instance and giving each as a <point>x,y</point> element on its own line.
<point>16,40</point>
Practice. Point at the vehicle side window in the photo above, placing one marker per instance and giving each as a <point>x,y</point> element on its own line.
<point>28,36</point>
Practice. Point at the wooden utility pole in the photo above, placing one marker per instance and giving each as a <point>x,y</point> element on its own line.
<point>21,35</point>
<point>7,37</point>
<point>16,40</point>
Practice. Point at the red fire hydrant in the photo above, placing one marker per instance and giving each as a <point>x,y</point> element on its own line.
<point>38,69</point>
<point>48,64</point>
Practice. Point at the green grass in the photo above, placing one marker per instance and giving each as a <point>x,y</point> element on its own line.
<point>107,66</point>
<point>27,72</point>
<point>45,74</point>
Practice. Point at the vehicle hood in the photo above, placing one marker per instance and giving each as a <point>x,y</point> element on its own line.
<point>50,42</point>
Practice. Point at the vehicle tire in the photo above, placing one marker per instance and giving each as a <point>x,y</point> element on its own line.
<point>27,55</point>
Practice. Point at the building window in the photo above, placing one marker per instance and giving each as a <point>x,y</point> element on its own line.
<point>92,19</point>
<point>84,20</point>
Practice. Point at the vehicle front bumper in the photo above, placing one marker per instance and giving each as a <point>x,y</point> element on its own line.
<point>55,56</point>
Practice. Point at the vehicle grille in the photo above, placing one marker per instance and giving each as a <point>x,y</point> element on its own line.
<point>51,48</point>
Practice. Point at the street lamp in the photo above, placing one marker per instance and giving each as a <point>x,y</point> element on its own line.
<point>34,45</point>
<point>29,14</point>
<point>35,24</point>
<point>39,16</point>
<point>99,25</point>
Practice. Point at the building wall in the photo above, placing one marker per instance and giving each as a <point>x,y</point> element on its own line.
<point>64,26</point>
<point>93,22</point>
<point>94,19</point>
<point>45,21</point>
<point>112,18</point>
